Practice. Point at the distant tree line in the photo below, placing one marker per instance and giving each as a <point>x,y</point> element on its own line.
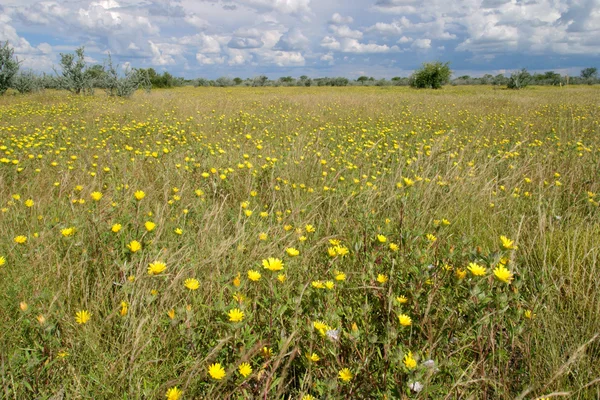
<point>75,75</point>
<point>430,75</point>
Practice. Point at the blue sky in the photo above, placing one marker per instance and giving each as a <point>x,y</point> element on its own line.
<point>245,38</point>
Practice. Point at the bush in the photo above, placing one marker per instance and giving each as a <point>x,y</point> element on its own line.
<point>224,82</point>
<point>9,67</point>
<point>590,75</point>
<point>431,76</point>
<point>519,80</point>
<point>73,71</point>
<point>124,86</point>
<point>27,82</point>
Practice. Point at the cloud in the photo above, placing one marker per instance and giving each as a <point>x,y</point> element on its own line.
<point>204,43</point>
<point>209,60</point>
<point>245,43</point>
<point>158,56</point>
<point>330,43</point>
<point>267,35</point>
<point>354,46</point>
<point>337,19</point>
<point>421,44</point>
<point>196,21</point>
<point>281,6</point>
<point>327,57</point>
<point>21,46</point>
<point>344,31</point>
<point>404,7</point>
<point>349,45</point>
<point>292,40</point>
<point>284,58</point>
<point>386,28</point>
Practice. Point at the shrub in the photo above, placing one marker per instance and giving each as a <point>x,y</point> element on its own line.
<point>27,82</point>
<point>431,76</point>
<point>9,67</point>
<point>224,82</point>
<point>124,86</point>
<point>73,73</point>
<point>519,80</point>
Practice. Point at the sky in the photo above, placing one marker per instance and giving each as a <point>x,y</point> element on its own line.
<point>246,38</point>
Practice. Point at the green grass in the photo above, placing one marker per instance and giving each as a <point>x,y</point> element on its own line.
<point>352,162</point>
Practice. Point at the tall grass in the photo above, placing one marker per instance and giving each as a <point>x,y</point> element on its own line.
<point>440,175</point>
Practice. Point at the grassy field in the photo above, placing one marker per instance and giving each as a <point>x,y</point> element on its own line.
<point>300,243</point>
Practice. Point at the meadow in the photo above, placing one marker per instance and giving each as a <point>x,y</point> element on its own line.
<point>301,243</point>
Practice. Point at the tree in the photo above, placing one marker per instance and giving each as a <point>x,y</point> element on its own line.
<point>589,73</point>
<point>237,81</point>
<point>499,80</point>
<point>224,82</point>
<point>431,75</point>
<point>487,79</point>
<point>124,86</point>
<point>362,79</point>
<point>97,74</point>
<point>519,80</point>
<point>305,81</point>
<point>9,67</point>
<point>551,78</point>
<point>260,80</point>
<point>74,77</point>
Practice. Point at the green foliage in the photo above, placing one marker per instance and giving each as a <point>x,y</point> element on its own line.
<point>9,66</point>
<point>589,73</point>
<point>224,82</point>
<point>97,74</point>
<point>127,85</point>
<point>161,81</point>
<point>519,80</point>
<point>260,80</point>
<point>431,76</point>
<point>73,71</point>
<point>547,78</point>
<point>27,82</point>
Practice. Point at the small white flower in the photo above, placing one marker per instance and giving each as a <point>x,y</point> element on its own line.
<point>415,386</point>
<point>333,334</point>
<point>429,363</point>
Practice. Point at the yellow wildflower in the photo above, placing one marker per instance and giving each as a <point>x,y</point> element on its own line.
<point>173,393</point>
<point>272,264</point>
<point>503,274</point>
<point>409,361</point>
<point>345,375</point>
<point>245,369</point>
<point>253,275</point>
<point>82,317</point>
<point>134,246</point>
<point>156,267</point>
<point>405,320</point>
<point>235,315</point>
<point>216,371</point>
<point>192,283</point>
<point>476,269</point>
